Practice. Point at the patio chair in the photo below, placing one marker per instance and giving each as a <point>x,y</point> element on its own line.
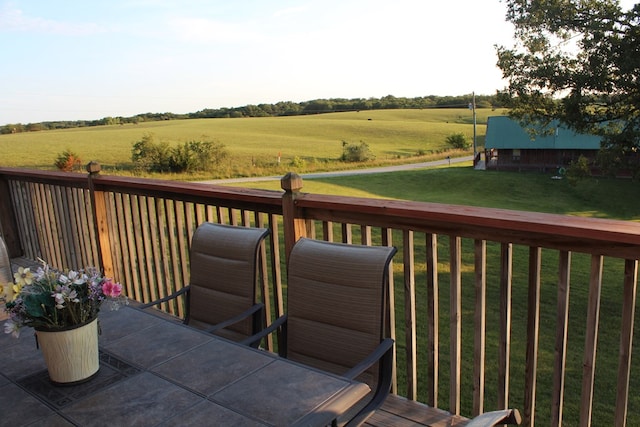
<point>496,418</point>
<point>221,295</point>
<point>337,316</point>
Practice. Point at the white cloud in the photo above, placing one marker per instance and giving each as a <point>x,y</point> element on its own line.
<point>14,20</point>
<point>201,30</point>
<point>289,11</point>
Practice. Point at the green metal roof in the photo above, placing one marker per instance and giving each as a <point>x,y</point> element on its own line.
<point>506,133</point>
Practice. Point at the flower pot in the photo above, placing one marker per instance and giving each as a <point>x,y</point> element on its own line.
<point>71,354</point>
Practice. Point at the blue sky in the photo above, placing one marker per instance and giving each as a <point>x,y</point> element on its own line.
<point>74,60</point>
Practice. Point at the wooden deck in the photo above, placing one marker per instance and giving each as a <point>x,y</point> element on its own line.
<point>400,412</point>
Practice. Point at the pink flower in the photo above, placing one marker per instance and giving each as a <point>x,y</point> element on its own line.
<point>111,289</point>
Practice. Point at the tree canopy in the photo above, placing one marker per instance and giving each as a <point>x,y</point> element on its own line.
<point>286,108</point>
<point>577,61</point>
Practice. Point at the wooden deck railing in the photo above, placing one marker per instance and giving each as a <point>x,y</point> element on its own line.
<point>501,280</point>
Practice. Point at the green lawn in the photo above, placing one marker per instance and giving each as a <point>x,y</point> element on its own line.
<point>460,184</point>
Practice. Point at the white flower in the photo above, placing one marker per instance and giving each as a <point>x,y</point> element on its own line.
<point>10,327</point>
<point>59,300</point>
<point>77,278</point>
<point>63,294</point>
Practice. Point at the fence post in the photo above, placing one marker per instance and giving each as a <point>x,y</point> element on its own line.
<point>8,223</point>
<point>99,209</point>
<point>294,227</point>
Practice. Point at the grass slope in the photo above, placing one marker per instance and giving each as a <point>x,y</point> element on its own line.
<point>462,185</point>
<point>254,143</point>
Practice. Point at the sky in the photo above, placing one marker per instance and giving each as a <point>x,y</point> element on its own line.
<point>86,60</point>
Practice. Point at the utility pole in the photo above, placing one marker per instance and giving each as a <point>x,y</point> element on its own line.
<point>473,108</point>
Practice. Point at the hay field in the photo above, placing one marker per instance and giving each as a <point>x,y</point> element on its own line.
<point>310,143</point>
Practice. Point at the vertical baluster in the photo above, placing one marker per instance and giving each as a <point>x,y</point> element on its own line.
<point>179,276</point>
<point>347,236</point>
<point>504,352</point>
<point>45,237</point>
<point>122,251</point>
<point>455,319</point>
<point>327,231</point>
<point>163,262</point>
<point>114,236</point>
<point>365,235</point>
<point>133,260</point>
<point>387,240</point>
<point>154,253</point>
<point>591,340</point>
<point>58,224</point>
<point>72,240</point>
<point>275,265</point>
<point>557,396</point>
<point>480,257</point>
<point>81,226</point>
<point>263,276</point>
<point>183,242</point>
<point>533,325</point>
<point>139,242</point>
<point>626,341</point>
<point>433,319</point>
<point>410,314</point>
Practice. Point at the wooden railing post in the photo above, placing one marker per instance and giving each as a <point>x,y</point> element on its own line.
<point>294,227</point>
<point>8,225</point>
<point>99,209</point>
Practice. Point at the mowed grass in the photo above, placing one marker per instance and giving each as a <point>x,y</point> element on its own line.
<point>307,143</point>
<point>460,184</point>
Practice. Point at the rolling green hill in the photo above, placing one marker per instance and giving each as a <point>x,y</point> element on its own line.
<point>306,143</point>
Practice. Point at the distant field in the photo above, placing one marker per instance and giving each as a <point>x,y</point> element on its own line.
<point>254,143</point>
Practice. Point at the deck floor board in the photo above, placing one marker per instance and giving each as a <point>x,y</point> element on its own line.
<point>400,412</point>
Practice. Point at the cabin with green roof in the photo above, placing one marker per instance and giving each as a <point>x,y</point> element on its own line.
<point>508,146</point>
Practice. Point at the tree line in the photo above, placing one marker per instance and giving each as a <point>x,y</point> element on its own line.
<point>317,106</point>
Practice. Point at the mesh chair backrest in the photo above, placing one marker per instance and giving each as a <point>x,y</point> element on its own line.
<point>5,264</point>
<point>223,275</point>
<point>336,303</point>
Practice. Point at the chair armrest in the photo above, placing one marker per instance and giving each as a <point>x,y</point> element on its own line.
<point>494,418</point>
<point>384,354</point>
<point>165,299</point>
<point>255,339</point>
<point>371,359</point>
<point>238,318</point>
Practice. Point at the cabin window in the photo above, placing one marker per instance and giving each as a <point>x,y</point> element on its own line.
<point>516,155</point>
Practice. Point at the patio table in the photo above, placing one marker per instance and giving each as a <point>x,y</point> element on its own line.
<point>155,371</point>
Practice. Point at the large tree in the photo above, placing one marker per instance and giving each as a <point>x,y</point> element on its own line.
<point>577,61</point>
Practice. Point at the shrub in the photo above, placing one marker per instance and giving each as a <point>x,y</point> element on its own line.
<point>459,141</point>
<point>356,152</point>
<point>153,156</point>
<point>578,170</point>
<point>298,162</point>
<point>67,161</point>
<point>150,155</point>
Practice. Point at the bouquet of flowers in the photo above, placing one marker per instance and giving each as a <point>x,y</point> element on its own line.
<point>51,299</point>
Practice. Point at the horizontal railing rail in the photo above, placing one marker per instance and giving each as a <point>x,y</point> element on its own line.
<point>492,308</point>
